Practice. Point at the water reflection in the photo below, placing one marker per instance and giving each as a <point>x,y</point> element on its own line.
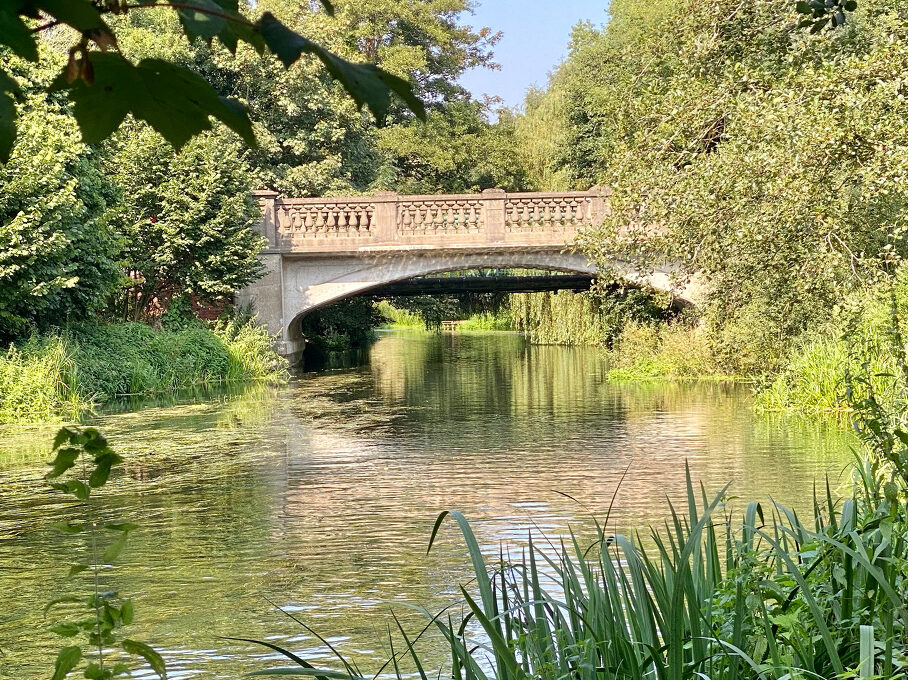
<point>320,496</point>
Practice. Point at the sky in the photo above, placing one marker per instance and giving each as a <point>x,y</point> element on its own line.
<point>535,39</point>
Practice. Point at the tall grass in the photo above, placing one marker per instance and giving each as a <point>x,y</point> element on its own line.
<point>400,319</point>
<point>768,594</point>
<point>61,376</point>
<point>487,321</point>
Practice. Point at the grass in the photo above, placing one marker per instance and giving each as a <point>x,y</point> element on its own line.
<point>403,319</point>
<point>61,376</point>
<point>400,319</point>
<point>487,321</point>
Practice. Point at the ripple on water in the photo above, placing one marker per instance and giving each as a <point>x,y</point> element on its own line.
<point>320,497</point>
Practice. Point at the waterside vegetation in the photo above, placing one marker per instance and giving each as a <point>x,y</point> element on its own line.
<point>63,375</point>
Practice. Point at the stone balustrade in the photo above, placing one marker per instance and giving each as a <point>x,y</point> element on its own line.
<point>388,221</point>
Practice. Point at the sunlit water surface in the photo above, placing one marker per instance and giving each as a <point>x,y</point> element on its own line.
<point>320,497</point>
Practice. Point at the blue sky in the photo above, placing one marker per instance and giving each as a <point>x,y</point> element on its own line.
<point>536,34</point>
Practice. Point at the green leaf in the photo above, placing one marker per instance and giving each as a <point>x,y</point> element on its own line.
<point>851,5</point>
<point>64,434</point>
<point>803,7</point>
<point>818,26</point>
<point>94,672</point>
<point>173,100</point>
<point>114,549</point>
<point>366,83</point>
<point>127,612</point>
<point>95,442</point>
<point>76,487</point>
<point>199,23</point>
<point>65,629</point>
<point>151,656</point>
<point>15,34</point>
<point>67,659</point>
<point>69,527</point>
<point>63,461</point>
<point>103,464</point>
<point>121,526</point>
<point>76,569</point>
<point>80,14</point>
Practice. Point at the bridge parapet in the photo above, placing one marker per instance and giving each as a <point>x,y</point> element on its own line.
<point>388,221</point>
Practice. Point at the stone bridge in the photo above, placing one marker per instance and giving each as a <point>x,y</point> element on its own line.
<point>321,250</point>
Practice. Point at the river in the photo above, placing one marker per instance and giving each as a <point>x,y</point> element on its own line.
<point>320,496</point>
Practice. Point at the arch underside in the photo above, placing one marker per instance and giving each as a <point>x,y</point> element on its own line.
<point>313,282</point>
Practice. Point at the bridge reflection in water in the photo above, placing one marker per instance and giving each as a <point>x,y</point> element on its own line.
<point>321,250</point>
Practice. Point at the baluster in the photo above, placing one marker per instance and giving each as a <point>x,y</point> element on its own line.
<point>406,219</point>
<point>419,219</point>
<point>439,219</point>
<point>319,220</point>
<point>474,218</point>
<point>556,214</point>
<point>342,219</point>
<point>309,222</point>
<point>525,215</point>
<point>353,221</point>
<point>449,218</point>
<point>332,222</point>
<point>365,220</point>
<point>536,214</point>
<point>461,217</point>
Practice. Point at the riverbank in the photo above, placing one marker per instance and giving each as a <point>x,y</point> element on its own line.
<point>61,376</point>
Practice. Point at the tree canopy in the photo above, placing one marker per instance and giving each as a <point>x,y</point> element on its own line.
<point>104,85</point>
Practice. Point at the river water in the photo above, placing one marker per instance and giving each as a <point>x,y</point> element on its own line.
<point>320,496</point>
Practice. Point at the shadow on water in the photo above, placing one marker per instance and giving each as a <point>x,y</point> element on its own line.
<point>320,495</point>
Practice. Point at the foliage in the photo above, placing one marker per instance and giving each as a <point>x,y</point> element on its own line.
<point>644,351</point>
<point>403,319</point>
<point>348,324</point>
<point>771,161</point>
<point>487,321</point>
<point>56,247</point>
<point>63,375</point>
<point>37,382</point>
<point>186,220</point>
<point>104,86</point>
<point>589,318</point>
<point>82,465</point>
<point>867,338</point>
<point>419,38</point>
<point>456,150</point>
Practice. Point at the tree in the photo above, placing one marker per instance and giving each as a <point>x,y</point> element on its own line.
<point>770,161</point>
<point>104,86</point>
<point>455,150</point>
<point>57,251</point>
<point>185,218</point>
<point>421,38</point>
